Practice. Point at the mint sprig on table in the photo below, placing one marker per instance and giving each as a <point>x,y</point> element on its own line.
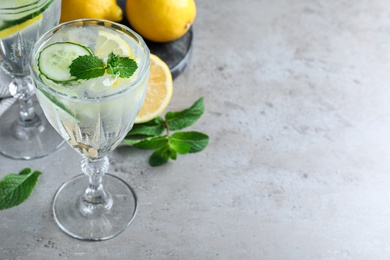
<point>91,66</point>
<point>16,188</point>
<point>149,135</point>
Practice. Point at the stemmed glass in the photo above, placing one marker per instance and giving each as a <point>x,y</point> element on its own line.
<point>24,131</point>
<point>94,116</point>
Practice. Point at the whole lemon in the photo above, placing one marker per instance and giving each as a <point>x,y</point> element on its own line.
<point>161,20</point>
<point>101,9</point>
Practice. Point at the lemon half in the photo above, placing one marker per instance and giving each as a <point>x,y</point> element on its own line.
<point>159,92</point>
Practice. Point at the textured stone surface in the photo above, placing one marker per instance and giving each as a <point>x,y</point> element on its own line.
<point>298,166</point>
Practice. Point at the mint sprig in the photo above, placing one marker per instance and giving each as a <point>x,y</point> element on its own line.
<point>91,66</point>
<point>16,188</point>
<point>123,66</point>
<point>87,66</point>
<point>149,135</point>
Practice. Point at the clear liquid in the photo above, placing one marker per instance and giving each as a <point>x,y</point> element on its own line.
<point>91,116</point>
<point>15,48</point>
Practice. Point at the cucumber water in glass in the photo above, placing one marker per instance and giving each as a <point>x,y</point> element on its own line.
<point>91,78</point>
<point>24,131</point>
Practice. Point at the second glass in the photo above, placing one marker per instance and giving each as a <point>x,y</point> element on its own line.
<point>93,116</point>
<point>24,131</point>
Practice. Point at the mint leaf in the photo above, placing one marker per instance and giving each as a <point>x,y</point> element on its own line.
<point>25,171</point>
<point>162,155</point>
<point>152,143</point>
<point>123,66</point>
<point>184,118</point>
<point>151,128</point>
<point>16,188</point>
<point>87,67</point>
<point>195,140</point>
<point>180,147</point>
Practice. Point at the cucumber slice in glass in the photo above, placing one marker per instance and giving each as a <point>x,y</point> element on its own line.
<point>58,103</point>
<point>55,59</point>
<point>16,12</point>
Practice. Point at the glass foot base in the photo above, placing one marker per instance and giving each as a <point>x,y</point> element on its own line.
<point>102,226</point>
<point>37,142</point>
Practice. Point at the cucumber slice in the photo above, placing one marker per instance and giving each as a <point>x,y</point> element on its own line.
<point>19,11</point>
<point>55,59</point>
<point>60,87</point>
<point>16,4</point>
<point>58,103</point>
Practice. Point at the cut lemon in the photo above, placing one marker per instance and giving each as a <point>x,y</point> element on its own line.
<point>159,92</point>
<point>18,27</point>
<point>108,42</point>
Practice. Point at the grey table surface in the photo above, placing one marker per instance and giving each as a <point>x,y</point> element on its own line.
<point>298,165</point>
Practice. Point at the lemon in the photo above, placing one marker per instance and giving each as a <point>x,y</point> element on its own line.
<point>18,27</point>
<point>100,9</point>
<point>159,92</point>
<point>161,20</point>
<point>108,42</point>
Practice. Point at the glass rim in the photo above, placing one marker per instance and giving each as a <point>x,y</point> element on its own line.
<point>144,65</point>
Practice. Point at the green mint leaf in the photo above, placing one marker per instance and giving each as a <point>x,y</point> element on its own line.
<point>87,67</point>
<point>123,66</point>
<point>152,142</point>
<point>154,127</point>
<point>25,171</point>
<point>162,155</point>
<point>195,140</point>
<point>184,118</point>
<point>179,147</point>
<point>172,153</point>
<point>16,188</point>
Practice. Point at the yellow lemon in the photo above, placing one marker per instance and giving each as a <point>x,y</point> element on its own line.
<point>101,9</point>
<point>159,92</point>
<point>161,20</point>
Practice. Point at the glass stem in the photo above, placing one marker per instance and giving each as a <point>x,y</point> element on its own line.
<point>95,199</point>
<point>28,123</point>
